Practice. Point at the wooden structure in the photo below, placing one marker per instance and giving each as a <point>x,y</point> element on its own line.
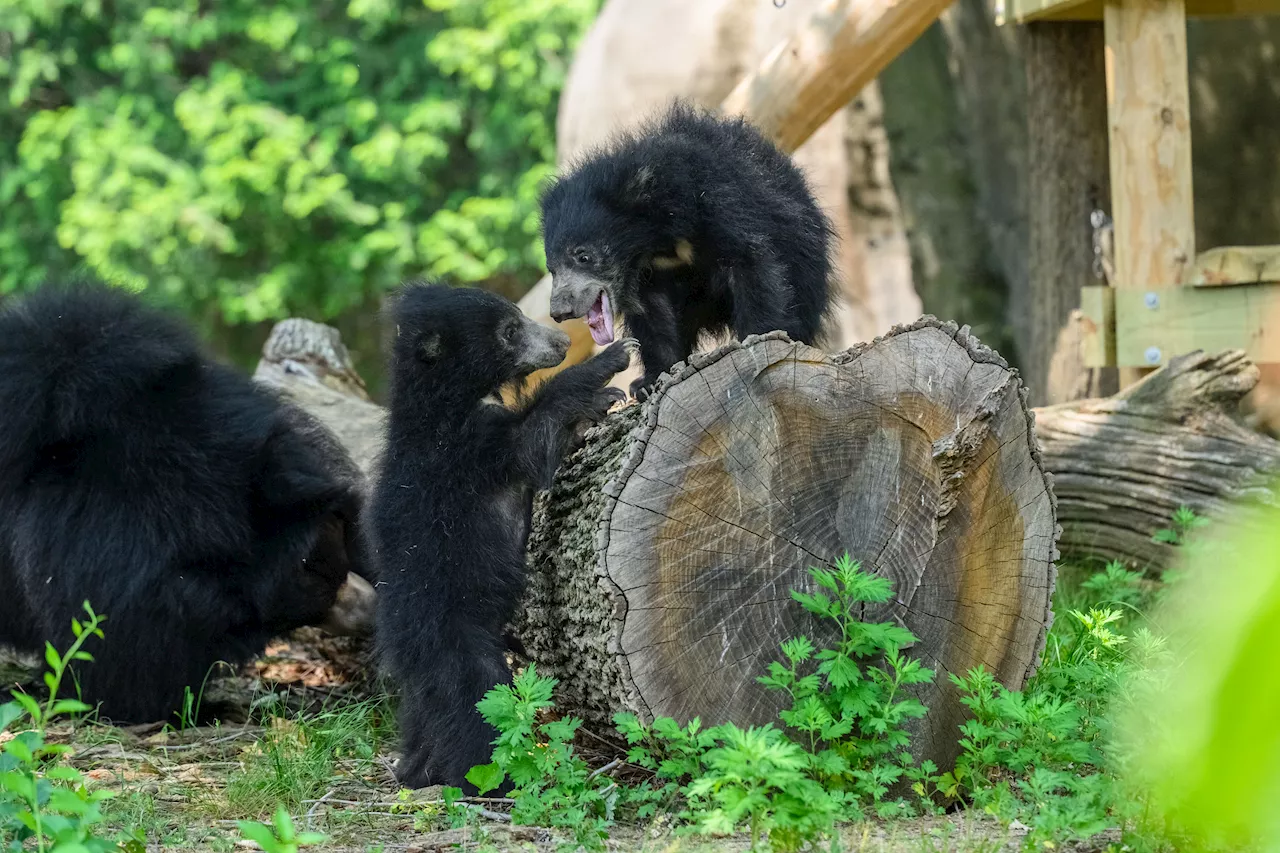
<point>1163,300</point>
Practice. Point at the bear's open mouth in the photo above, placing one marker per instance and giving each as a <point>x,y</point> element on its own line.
<point>600,320</point>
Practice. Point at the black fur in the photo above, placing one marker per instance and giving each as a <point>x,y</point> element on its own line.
<point>695,223</point>
<point>196,511</point>
<point>450,511</point>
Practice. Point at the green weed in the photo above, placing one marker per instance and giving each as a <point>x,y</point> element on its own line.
<point>553,786</point>
<point>279,836</point>
<point>43,800</point>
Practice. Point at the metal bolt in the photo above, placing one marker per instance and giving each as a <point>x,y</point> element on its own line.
<point>1152,301</point>
<point>1152,355</point>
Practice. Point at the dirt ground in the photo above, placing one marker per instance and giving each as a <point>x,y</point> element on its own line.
<point>184,788</point>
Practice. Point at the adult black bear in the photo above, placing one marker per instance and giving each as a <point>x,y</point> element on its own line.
<point>694,224</point>
<point>449,514</point>
<point>196,511</point>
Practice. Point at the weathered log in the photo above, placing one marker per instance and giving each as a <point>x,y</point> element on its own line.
<point>309,364</point>
<point>1123,464</point>
<point>662,558</point>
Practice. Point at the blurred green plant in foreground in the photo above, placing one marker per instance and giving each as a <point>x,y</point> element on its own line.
<point>252,160</point>
<point>1204,723</point>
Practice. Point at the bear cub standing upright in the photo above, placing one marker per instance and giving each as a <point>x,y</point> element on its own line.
<point>695,223</point>
<point>450,512</point>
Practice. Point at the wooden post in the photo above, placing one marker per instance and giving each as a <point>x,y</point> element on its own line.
<point>1067,178</point>
<point>1148,107</point>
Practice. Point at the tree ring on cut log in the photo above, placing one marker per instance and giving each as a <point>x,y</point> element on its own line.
<point>663,558</point>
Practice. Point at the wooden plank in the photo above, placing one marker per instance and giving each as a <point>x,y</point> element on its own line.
<point>1024,11</point>
<point>1149,120</point>
<point>1155,325</point>
<point>1098,326</point>
<point>1235,265</point>
<point>845,45</point>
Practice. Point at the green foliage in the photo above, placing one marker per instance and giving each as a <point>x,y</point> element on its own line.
<point>553,785</point>
<point>673,754</point>
<point>760,778</point>
<point>1185,521</point>
<point>1200,728</point>
<point>279,836</point>
<point>844,744</point>
<point>1045,756</point>
<point>251,160</point>
<point>849,710</point>
<point>44,801</point>
<point>1115,585</point>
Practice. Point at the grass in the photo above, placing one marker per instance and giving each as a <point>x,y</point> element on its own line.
<point>1037,771</point>
<point>303,757</point>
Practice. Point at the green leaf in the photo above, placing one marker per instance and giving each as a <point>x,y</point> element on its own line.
<point>485,777</point>
<point>30,705</point>
<point>258,833</point>
<point>9,714</point>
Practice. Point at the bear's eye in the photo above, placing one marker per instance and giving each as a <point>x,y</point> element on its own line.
<point>582,256</point>
<point>509,333</point>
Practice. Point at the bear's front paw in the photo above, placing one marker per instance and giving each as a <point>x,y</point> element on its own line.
<point>617,357</point>
<point>606,398</point>
<point>642,388</point>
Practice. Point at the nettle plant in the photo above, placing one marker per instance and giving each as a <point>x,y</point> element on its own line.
<point>842,748</point>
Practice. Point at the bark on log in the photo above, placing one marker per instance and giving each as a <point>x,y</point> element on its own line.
<point>1123,464</point>
<point>662,558</point>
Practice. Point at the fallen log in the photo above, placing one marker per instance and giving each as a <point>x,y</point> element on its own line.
<point>308,363</point>
<point>1123,464</point>
<point>662,558</point>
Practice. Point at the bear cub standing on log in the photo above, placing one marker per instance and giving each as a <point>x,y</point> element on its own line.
<point>450,512</point>
<point>196,511</point>
<point>694,224</point>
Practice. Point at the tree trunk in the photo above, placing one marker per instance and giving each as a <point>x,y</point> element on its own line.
<point>1067,179</point>
<point>662,558</point>
<point>951,232</point>
<point>1121,465</point>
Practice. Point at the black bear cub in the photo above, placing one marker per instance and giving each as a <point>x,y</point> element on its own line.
<point>695,223</point>
<point>449,515</point>
<point>200,514</point>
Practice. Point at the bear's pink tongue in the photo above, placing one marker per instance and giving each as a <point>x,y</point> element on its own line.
<point>600,320</point>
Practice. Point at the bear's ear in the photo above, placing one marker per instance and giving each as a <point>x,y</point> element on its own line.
<point>430,347</point>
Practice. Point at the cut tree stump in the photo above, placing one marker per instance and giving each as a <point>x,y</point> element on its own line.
<point>662,558</point>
